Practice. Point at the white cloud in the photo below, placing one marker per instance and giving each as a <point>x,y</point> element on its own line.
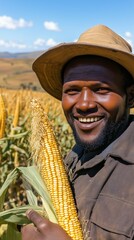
<point>49,25</point>
<point>128,34</point>
<point>50,42</point>
<point>10,23</point>
<point>11,44</point>
<point>39,42</point>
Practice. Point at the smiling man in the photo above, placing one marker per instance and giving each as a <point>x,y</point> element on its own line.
<point>94,100</point>
<point>94,79</point>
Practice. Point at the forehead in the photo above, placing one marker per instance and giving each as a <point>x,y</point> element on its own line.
<point>92,67</point>
<point>92,60</point>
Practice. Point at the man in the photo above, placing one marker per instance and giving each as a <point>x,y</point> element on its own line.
<point>94,79</point>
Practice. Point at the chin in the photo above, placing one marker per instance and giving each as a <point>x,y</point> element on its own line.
<point>107,135</point>
<point>90,145</point>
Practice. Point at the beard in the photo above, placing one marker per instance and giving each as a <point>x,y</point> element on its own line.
<point>109,133</point>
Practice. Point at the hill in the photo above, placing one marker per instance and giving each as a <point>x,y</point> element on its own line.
<point>31,55</point>
<point>17,73</point>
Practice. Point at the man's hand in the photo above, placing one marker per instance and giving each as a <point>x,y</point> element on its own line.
<point>42,229</point>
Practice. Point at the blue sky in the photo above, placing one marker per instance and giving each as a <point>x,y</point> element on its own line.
<point>32,25</point>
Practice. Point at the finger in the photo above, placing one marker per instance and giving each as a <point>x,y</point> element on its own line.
<point>28,231</point>
<point>40,222</point>
<point>35,217</point>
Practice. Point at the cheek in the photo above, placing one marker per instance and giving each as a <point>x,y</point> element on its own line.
<point>64,104</point>
<point>67,103</point>
<point>115,106</point>
<point>66,108</point>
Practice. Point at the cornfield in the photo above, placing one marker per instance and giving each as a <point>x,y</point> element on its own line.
<point>15,150</point>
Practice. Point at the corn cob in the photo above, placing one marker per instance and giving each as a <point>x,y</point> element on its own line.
<point>48,158</point>
<point>2,116</point>
<point>16,114</point>
<point>15,124</point>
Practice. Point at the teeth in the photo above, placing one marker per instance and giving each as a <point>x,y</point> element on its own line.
<point>89,120</point>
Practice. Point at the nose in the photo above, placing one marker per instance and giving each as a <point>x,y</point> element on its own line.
<point>86,101</point>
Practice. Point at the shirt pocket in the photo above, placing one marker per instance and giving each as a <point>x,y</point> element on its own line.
<point>113,217</point>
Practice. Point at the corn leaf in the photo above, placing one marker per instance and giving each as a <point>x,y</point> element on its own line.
<point>16,136</point>
<point>32,199</point>
<point>18,149</point>
<point>31,175</point>
<point>10,178</point>
<point>11,233</point>
<point>18,215</point>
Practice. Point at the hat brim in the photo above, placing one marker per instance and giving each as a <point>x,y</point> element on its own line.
<point>49,65</point>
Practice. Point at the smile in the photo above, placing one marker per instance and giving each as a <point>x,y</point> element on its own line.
<point>89,119</point>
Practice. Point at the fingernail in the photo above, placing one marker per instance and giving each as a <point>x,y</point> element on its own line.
<point>28,212</point>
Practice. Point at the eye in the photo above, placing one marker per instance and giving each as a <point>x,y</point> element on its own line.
<point>103,90</point>
<point>71,91</point>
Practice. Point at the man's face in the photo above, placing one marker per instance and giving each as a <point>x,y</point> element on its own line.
<point>94,101</point>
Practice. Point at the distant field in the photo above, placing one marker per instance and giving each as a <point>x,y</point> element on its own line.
<point>18,73</point>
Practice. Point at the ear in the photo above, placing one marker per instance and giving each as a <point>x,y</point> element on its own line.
<point>130,96</point>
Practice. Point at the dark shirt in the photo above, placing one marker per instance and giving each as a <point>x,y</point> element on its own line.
<point>104,188</point>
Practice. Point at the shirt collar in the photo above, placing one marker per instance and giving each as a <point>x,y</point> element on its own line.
<point>123,147</point>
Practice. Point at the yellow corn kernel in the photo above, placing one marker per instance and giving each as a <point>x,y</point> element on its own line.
<point>48,158</point>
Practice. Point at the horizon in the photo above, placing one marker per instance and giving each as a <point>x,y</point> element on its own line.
<point>28,26</point>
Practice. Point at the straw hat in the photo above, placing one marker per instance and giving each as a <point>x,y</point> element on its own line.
<point>98,40</point>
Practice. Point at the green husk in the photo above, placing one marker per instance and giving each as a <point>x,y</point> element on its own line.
<point>10,178</point>
<point>18,215</point>
<point>32,180</point>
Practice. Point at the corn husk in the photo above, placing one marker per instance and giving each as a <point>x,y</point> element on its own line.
<point>17,216</point>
